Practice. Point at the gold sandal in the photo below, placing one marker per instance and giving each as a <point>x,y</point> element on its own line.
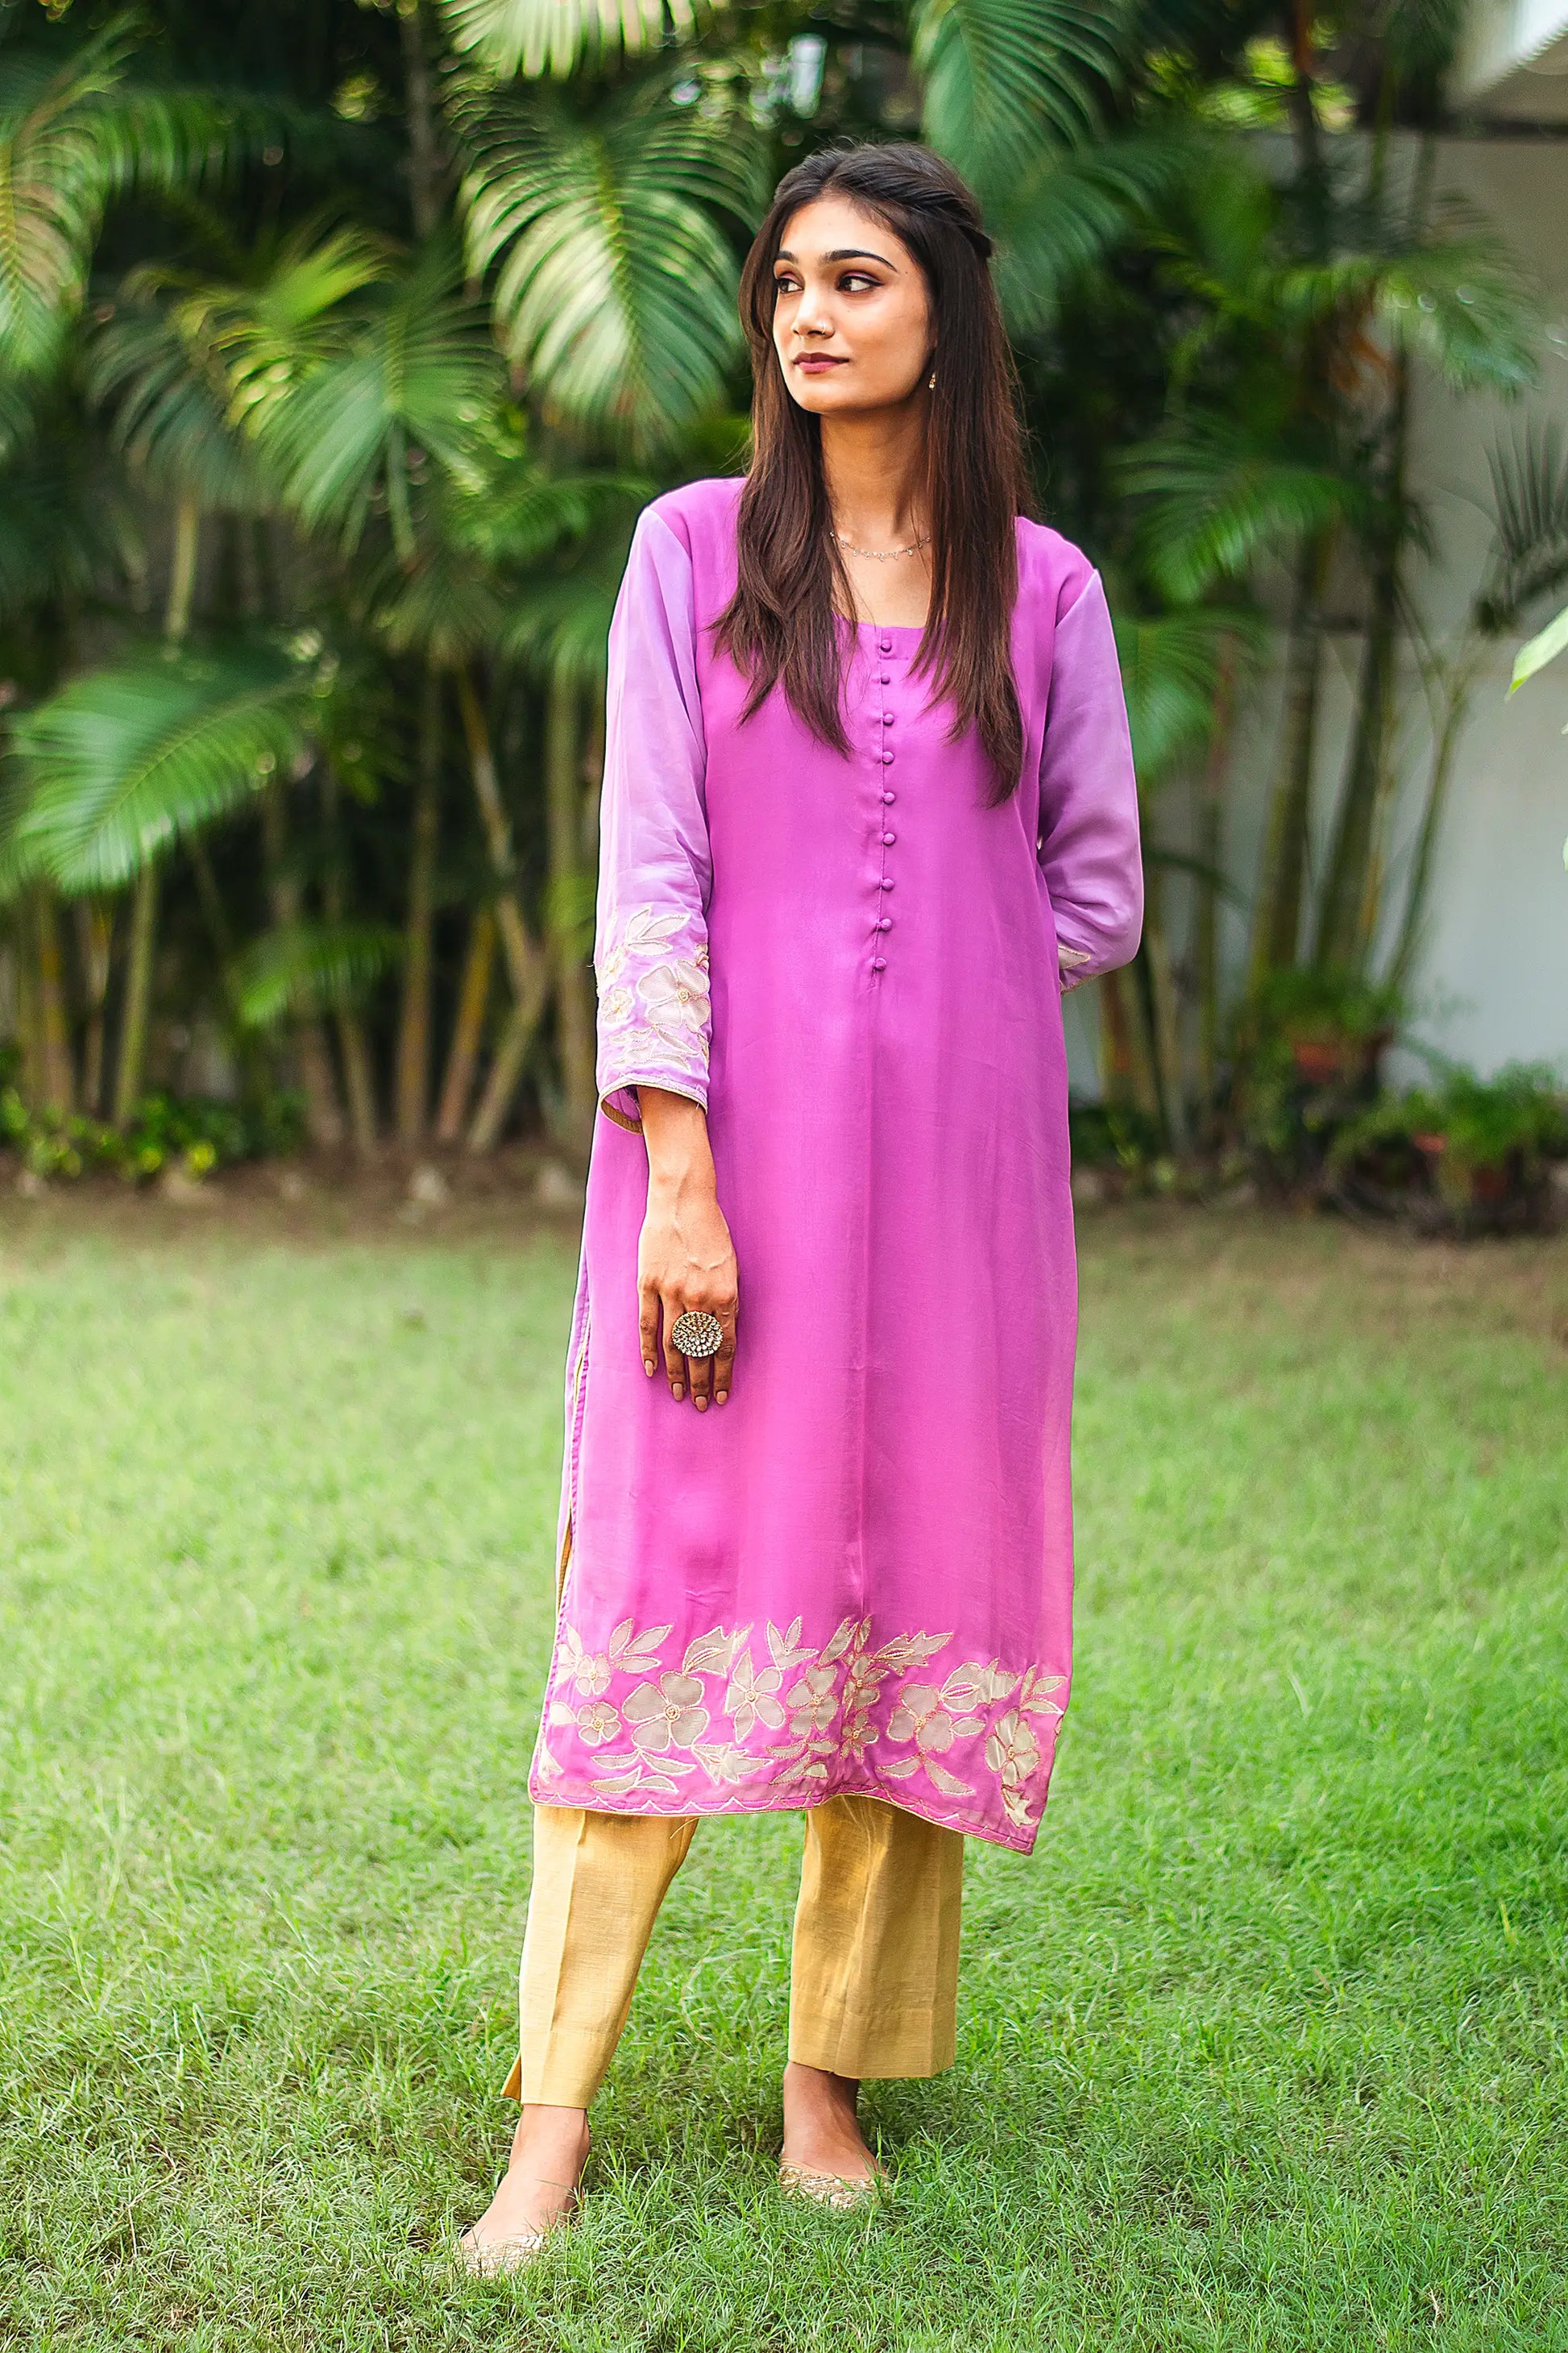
<point>494,2258</point>
<point>842,2192</point>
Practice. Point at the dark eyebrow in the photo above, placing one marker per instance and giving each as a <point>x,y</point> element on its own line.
<point>843,253</point>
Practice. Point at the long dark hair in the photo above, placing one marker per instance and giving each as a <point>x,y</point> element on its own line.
<point>780,621</point>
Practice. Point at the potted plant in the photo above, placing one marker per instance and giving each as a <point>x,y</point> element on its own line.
<point>1471,1154</point>
<point>1307,1046</point>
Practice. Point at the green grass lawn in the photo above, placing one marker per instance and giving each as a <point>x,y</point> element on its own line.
<point>1264,2047</point>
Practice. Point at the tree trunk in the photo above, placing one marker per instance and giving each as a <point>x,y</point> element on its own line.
<point>95,948</point>
<point>1211,853</point>
<point>1127,1072</point>
<point>359,1082</point>
<point>131,1070</point>
<point>413,1026</point>
<point>573,991</point>
<point>1165,1024</point>
<point>1346,913</point>
<point>55,1076</point>
<point>1278,920</point>
<point>467,1028</point>
<point>1423,857</point>
<point>323,1114</point>
<point>136,1016</point>
<point>527,966</point>
<point>426,175</point>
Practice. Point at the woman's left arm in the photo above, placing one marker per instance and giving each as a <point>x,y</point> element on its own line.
<point>1090,850</point>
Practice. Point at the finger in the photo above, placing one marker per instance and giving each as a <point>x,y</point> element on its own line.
<point>647,1327</point>
<point>700,1369</point>
<point>674,1362</point>
<point>724,1362</point>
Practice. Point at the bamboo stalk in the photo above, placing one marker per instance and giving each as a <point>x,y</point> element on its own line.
<point>1278,922</point>
<point>55,1073</point>
<point>467,1028</point>
<point>413,1078</point>
<point>324,1113</point>
<point>95,946</point>
<point>574,990</point>
<point>528,968</point>
<point>130,1070</point>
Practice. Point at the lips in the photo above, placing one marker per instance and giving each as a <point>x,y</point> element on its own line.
<point>816,362</point>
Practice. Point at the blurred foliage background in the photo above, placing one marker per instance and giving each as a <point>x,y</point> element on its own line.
<point>340,345</point>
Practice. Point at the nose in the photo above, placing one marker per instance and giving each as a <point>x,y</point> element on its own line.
<point>811,315</point>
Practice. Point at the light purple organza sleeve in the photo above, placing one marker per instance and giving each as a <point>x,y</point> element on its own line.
<point>1088,795</point>
<point>650,950</point>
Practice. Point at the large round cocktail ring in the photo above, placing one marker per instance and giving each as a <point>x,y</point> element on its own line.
<point>697,1334</point>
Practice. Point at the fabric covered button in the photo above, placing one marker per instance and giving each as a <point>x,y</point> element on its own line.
<point>890,796</point>
<point>886,679</point>
<point>884,924</point>
<point>885,645</point>
<point>886,883</point>
<point>879,964</point>
<point>889,840</point>
<point>887,718</point>
<point>887,759</point>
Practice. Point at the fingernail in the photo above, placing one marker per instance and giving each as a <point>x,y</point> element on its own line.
<point>722,1395</point>
<point>648,1366</point>
<point>700,1403</point>
<point>677,1392</point>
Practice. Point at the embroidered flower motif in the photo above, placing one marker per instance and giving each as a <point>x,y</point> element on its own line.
<point>1013,1752</point>
<point>675,1001</point>
<point>596,1723</point>
<point>748,1697</point>
<point>814,1700</point>
<point>669,1715</point>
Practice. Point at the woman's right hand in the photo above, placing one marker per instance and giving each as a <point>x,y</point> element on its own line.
<point>686,1259</point>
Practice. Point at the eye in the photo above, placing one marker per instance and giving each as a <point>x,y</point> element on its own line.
<point>786,282</point>
<point>858,281</point>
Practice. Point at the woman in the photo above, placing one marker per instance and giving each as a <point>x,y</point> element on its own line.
<point>869,801</point>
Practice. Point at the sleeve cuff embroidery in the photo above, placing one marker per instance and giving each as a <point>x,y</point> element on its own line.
<point>655,1009</point>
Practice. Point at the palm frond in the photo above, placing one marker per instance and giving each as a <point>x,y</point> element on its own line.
<point>74,135</point>
<point>414,377</point>
<point>123,760</point>
<point>1529,504</point>
<point>1171,668</point>
<point>613,285</point>
<point>1001,76</point>
<point>1215,500</point>
<point>555,36</point>
<point>302,967</point>
<point>168,405</point>
<point>1456,299</point>
<point>1072,206</point>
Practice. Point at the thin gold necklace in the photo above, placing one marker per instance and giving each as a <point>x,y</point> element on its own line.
<point>882,554</point>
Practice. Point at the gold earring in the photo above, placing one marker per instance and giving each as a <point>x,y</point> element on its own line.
<point>930,381</point>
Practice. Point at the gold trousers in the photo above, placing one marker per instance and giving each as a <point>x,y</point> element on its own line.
<point>874,1974</point>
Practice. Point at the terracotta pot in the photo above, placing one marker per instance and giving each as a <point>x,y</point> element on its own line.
<point>1321,1060</point>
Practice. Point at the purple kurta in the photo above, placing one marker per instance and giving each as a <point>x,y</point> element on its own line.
<point>855,1575</point>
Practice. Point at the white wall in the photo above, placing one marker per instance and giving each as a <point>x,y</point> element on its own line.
<point>1490,984</point>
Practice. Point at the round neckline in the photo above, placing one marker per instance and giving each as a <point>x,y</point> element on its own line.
<point>886,629</point>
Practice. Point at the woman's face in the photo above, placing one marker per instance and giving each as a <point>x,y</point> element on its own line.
<point>851,313</point>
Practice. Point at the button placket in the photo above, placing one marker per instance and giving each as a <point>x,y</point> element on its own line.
<point>883,753</point>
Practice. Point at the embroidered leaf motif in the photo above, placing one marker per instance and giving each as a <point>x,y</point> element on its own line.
<point>948,1783</point>
<point>714,1653</point>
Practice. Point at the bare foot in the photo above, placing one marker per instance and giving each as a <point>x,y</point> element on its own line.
<point>822,2132</point>
<point>549,2150</point>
